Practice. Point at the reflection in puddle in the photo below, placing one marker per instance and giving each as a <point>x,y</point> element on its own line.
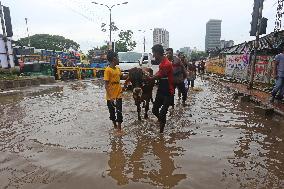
<point>215,142</point>
<point>152,161</point>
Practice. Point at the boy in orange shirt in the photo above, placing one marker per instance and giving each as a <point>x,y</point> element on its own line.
<point>113,88</point>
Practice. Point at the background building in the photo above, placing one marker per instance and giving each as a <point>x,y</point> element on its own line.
<point>161,36</point>
<point>186,50</point>
<point>225,44</point>
<point>213,34</point>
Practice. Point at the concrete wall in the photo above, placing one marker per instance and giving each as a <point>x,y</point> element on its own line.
<point>18,83</point>
<point>238,67</point>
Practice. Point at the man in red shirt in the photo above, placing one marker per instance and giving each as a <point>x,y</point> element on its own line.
<point>179,75</point>
<point>165,90</point>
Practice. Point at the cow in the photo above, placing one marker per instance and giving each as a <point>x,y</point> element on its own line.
<point>142,88</point>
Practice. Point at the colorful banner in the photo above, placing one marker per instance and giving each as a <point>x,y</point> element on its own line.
<point>237,66</point>
<point>216,65</point>
<point>263,69</point>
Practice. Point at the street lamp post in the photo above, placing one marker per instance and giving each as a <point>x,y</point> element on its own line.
<point>29,44</point>
<point>144,39</point>
<point>110,9</point>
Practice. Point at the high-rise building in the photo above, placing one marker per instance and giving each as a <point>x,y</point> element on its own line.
<point>161,36</point>
<point>225,44</point>
<point>213,34</point>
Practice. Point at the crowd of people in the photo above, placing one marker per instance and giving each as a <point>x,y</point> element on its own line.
<point>175,72</point>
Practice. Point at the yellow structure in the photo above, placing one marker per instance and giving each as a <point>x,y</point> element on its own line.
<point>216,65</point>
<point>78,71</point>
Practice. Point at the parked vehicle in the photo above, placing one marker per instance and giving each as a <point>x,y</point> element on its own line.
<point>99,61</point>
<point>128,60</point>
<point>147,60</point>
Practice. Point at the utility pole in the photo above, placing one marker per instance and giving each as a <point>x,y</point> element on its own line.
<point>29,44</point>
<point>110,27</point>
<point>4,34</point>
<point>110,20</point>
<point>144,42</point>
<point>259,6</point>
<point>144,39</point>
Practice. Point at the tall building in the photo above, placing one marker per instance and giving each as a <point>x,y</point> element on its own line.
<point>225,44</point>
<point>213,34</point>
<point>161,36</point>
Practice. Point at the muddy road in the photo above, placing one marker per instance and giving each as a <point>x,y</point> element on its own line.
<point>63,139</point>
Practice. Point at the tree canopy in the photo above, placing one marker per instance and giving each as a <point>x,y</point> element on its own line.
<point>104,27</point>
<point>92,51</point>
<point>50,42</point>
<point>125,42</point>
<point>198,55</point>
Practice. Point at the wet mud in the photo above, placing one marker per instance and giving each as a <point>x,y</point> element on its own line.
<point>64,139</point>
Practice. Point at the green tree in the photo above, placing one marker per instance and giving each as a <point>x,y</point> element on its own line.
<point>50,42</point>
<point>104,48</point>
<point>105,27</point>
<point>92,51</point>
<point>125,42</point>
<point>198,55</point>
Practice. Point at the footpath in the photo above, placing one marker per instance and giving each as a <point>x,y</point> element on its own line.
<point>28,86</point>
<point>254,95</point>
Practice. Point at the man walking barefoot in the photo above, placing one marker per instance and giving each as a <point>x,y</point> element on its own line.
<point>179,74</point>
<point>165,90</point>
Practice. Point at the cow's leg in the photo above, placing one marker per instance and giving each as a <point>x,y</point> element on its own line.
<point>139,111</point>
<point>147,108</point>
<point>143,105</point>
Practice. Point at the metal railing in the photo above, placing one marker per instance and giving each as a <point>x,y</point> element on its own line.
<point>78,71</point>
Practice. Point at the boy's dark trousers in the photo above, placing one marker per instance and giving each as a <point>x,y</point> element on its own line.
<point>161,106</point>
<point>191,83</point>
<point>182,89</point>
<point>115,110</point>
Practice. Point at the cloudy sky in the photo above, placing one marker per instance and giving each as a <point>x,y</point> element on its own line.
<point>80,20</point>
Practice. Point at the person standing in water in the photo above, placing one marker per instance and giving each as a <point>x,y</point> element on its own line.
<point>191,74</point>
<point>179,74</point>
<point>278,73</point>
<point>165,90</point>
<point>113,88</point>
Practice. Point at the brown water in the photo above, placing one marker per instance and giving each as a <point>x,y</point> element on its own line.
<point>63,139</point>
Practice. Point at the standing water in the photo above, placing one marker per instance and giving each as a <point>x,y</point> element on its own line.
<point>64,139</point>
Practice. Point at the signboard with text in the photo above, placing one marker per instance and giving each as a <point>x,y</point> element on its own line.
<point>237,66</point>
<point>263,69</point>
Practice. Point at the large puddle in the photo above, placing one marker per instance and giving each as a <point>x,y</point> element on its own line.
<point>63,139</point>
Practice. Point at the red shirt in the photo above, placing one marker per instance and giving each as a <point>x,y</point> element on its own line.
<point>166,73</point>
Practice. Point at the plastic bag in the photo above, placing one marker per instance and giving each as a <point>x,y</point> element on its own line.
<point>186,83</point>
